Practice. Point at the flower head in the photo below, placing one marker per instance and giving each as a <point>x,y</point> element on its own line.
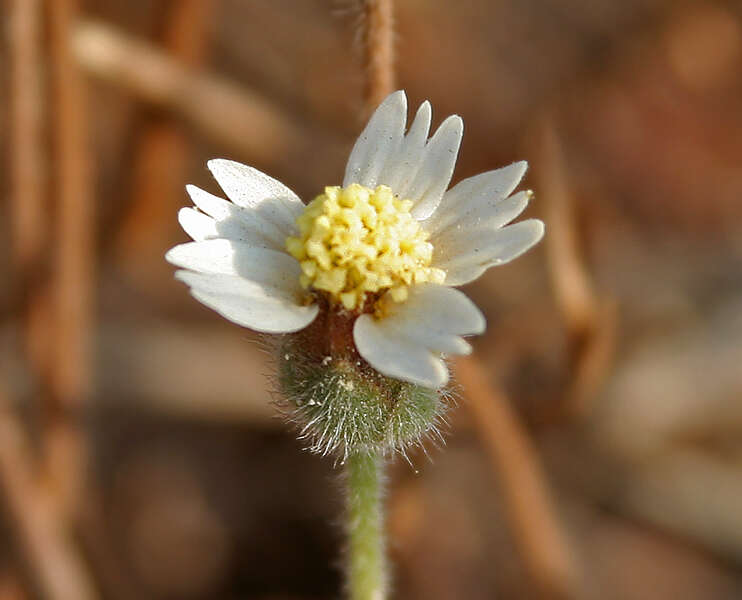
<point>356,242</point>
<point>380,256</point>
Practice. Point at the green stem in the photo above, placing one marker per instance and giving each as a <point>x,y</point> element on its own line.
<point>367,579</point>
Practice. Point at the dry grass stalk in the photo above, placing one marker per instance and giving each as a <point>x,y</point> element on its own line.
<point>591,321</point>
<point>572,285</point>
<point>73,259</point>
<point>29,226</point>
<point>531,513</point>
<point>56,569</point>
<point>230,115</point>
<point>161,154</point>
<point>27,161</point>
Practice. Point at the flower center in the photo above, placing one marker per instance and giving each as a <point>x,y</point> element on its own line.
<point>356,240</point>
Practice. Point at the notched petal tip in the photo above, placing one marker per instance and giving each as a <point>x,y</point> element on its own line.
<point>437,165</point>
<point>449,134</point>
<point>423,117</point>
<point>518,239</point>
<point>181,275</point>
<point>522,167</point>
<point>409,343</point>
<point>218,164</point>
<point>534,230</point>
<point>479,321</point>
<point>466,348</point>
<point>255,304</point>
<point>455,122</point>
<point>391,111</point>
<point>172,255</point>
<point>442,379</point>
<point>379,139</point>
<point>396,96</point>
<point>196,224</point>
<point>395,357</point>
<point>232,176</point>
<point>396,101</point>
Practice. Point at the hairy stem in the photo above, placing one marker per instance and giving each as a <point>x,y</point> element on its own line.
<point>378,51</point>
<point>367,578</point>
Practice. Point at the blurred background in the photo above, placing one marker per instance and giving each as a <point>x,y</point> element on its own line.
<point>140,455</point>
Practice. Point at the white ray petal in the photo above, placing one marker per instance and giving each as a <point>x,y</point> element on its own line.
<point>467,196</point>
<point>249,188</point>
<point>440,309</point>
<point>490,216</point>
<point>196,224</point>
<point>400,169</point>
<point>407,342</point>
<point>466,255</point>
<point>396,357</point>
<point>237,223</point>
<point>249,303</point>
<point>379,140</point>
<point>229,257</point>
<point>436,168</point>
<point>212,205</point>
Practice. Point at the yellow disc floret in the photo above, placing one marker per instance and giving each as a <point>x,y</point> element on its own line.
<point>356,240</point>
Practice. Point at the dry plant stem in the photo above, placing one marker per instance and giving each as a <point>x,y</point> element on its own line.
<point>26,158</point>
<point>591,322</point>
<point>378,51</point>
<point>73,260</point>
<point>532,516</point>
<point>56,568</point>
<point>592,361</point>
<point>28,179</point>
<point>570,279</point>
<point>161,155</point>
<point>366,569</point>
<point>229,114</point>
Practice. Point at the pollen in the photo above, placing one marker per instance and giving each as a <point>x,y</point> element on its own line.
<point>356,241</point>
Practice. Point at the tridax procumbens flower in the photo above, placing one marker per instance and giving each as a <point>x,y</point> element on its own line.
<point>379,257</point>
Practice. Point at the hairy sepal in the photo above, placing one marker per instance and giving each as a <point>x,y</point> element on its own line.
<point>341,405</point>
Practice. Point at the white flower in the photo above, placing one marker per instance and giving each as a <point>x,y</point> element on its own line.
<point>389,249</point>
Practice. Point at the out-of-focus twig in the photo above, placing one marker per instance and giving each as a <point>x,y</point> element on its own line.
<point>73,260</point>
<point>592,359</point>
<point>591,321</point>
<point>27,163</point>
<point>378,49</point>
<point>532,515</point>
<point>571,282</point>
<point>162,149</point>
<point>28,179</point>
<point>229,114</point>
<point>57,353</point>
<point>55,566</point>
